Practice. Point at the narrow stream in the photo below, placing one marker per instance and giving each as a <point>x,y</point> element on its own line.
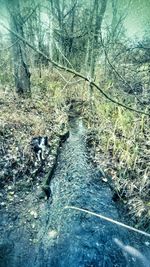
<point>70,238</point>
<point>81,239</point>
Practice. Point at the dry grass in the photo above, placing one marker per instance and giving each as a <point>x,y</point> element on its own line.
<point>21,120</point>
<point>122,149</point>
<point>121,143</point>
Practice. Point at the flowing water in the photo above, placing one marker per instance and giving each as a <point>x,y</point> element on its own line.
<point>71,238</point>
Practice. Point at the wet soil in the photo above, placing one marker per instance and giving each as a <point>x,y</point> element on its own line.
<point>44,233</point>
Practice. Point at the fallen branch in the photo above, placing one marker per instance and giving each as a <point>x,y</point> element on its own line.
<point>47,180</point>
<point>69,82</point>
<point>109,220</point>
<point>57,65</point>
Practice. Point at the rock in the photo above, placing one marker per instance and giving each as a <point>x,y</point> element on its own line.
<point>47,191</point>
<point>64,136</point>
<point>41,194</point>
<point>33,225</point>
<point>104,179</point>
<point>34,214</point>
<point>52,234</point>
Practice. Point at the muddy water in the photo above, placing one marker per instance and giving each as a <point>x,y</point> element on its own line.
<point>70,238</point>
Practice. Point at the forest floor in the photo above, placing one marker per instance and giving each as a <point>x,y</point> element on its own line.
<point>22,175</point>
<point>44,115</point>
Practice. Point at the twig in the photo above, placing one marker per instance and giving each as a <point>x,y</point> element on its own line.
<point>114,69</point>
<point>133,252</point>
<point>68,12</point>
<point>4,63</point>
<point>109,220</point>
<point>68,83</point>
<point>77,81</point>
<point>29,15</point>
<point>6,48</point>
<point>63,55</point>
<point>61,76</point>
<point>57,65</point>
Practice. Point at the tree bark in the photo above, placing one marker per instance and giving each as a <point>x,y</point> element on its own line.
<point>95,24</point>
<point>21,68</point>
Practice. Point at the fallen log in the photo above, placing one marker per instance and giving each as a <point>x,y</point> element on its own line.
<point>46,190</point>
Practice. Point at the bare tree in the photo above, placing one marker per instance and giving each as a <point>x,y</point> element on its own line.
<point>21,68</point>
<point>94,31</point>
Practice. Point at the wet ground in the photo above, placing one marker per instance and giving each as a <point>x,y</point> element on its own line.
<point>70,238</point>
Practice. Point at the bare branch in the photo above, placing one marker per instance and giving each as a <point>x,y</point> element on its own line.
<point>72,8</point>
<point>109,220</point>
<point>63,55</point>
<point>114,69</point>
<point>25,19</point>
<point>6,48</point>
<point>57,65</point>
<point>68,82</point>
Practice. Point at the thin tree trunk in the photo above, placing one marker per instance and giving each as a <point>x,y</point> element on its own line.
<point>21,69</point>
<point>96,18</point>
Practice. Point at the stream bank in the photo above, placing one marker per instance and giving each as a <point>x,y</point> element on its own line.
<point>63,237</point>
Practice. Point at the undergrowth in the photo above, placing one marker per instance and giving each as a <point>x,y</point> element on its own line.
<point>21,120</point>
<point>122,148</point>
<point>120,144</point>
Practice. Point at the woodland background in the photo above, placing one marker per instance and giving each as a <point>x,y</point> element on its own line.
<point>93,52</point>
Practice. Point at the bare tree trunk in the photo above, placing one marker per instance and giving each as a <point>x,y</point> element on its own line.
<point>21,69</point>
<point>96,19</point>
<point>98,23</point>
<point>114,18</point>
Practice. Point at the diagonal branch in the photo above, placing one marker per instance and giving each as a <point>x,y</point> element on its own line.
<point>72,8</point>
<point>57,47</point>
<point>108,219</point>
<point>114,69</point>
<point>29,15</point>
<point>57,65</point>
<point>8,47</point>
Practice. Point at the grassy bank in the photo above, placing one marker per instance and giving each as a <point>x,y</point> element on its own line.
<point>121,143</point>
